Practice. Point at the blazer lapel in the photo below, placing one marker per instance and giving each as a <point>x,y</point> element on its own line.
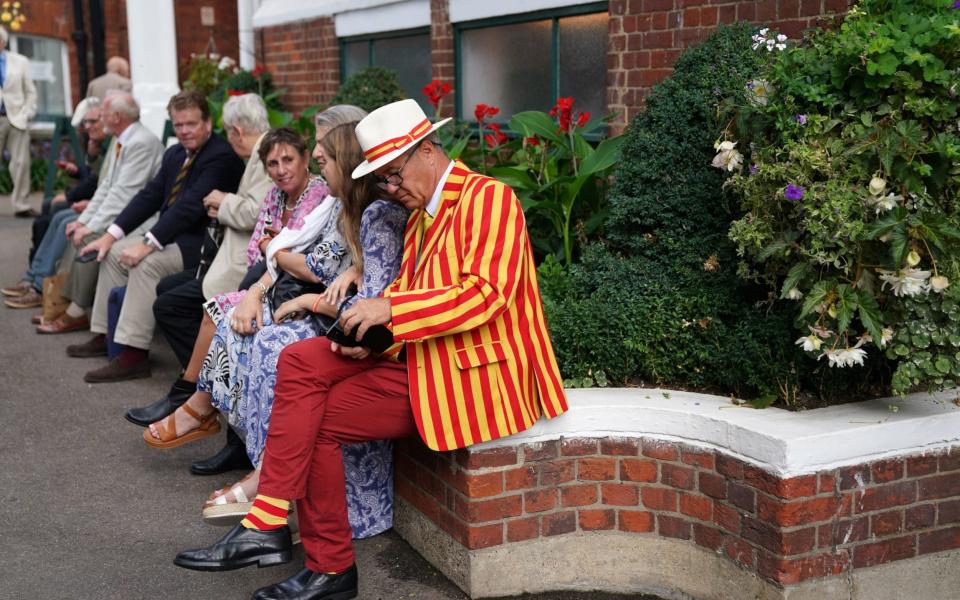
<point>449,196</point>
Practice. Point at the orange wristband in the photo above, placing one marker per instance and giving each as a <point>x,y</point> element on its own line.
<point>316,303</point>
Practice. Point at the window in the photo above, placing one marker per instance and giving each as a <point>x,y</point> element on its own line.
<point>525,62</point>
<point>49,70</point>
<point>407,53</point>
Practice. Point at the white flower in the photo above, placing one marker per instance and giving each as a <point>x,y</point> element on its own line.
<point>908,282</point>
<point>781,42</point>
<point>226,63</point>
<point>887,335</point>
<point>939,283</point>
<point>877,186</point>
<point>761,90</point>
<point>794,294</point>
<point>728,157</point>
<point>809,343</point>
<point>884,203</point>
<point>764,31</point>
<point>846,357</point>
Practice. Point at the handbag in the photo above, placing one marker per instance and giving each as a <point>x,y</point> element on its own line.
<point>54,304</point>
<point>288,287</point>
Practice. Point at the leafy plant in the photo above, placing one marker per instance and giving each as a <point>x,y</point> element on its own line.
<point>370,89</point>
<point>850,200</point>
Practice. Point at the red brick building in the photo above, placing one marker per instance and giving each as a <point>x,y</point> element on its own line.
<point>518,55</point>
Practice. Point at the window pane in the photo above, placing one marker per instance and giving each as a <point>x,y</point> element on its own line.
<point>583,61</point>
<point>409,57</point>
<point>356,57</point>
<point>46,68</point>
<point>506,66</point>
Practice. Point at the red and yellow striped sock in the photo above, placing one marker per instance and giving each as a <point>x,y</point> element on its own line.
<point>267,513</point>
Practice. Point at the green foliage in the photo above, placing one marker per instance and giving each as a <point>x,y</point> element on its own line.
<point>370,89</point>
<point>851,202</point>
<point>38,177</point>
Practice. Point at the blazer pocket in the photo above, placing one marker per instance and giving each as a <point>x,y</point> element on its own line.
<point>483,354</point>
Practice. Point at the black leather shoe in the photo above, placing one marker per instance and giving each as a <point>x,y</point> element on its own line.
<point>241,547</point>
<point>307,585</point>
<point>180,392</point>
<point>233,456</point>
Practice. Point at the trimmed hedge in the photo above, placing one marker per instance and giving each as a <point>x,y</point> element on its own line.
<point>370,89</point>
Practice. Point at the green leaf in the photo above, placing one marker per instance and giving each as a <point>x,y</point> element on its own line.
<point>763,401</point>
<point>815,297</point>
<point>847,302</point>
<point>603,157</point>
<point>794,276</point>
<point>775,247</point>
<point>870,316</point>
<point>942,364</point>
<point>516,177</point>
<point>457,149</point>
<point>535,122</point>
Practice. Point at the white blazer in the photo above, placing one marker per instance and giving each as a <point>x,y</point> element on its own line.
<point>18,93</point>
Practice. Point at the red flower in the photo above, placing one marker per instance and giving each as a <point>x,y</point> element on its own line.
<point>562,111</point>
<point>582,119</point>
<point>483,111</point>
<point>497,137</point>
<point>258,71</point>
<point>531,141</point>
<point>235,92</point>
<point>435,91</point>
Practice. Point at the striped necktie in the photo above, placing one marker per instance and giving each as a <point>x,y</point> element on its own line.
<point>425,224</point>
<point>178,182</point>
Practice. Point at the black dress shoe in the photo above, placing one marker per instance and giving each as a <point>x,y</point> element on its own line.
<point>307,585</point>
<point>180,392</point>
<point>28,213</point>
<point>241,547</point>
<point>232,457</point>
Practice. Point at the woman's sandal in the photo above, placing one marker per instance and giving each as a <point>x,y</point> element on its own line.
<point>223,512</point>
<point>167,428</point>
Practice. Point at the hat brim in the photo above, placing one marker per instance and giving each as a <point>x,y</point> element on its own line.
<point>367,167</point>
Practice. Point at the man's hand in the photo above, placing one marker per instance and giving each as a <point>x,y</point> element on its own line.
<point>78,207</point>
<point>131,256</point>
<point>61,197</point>
<point>101,246</point>
<point>357,352</point>
<point>70,228</point>
<point>81,232</point>
<point>366,313</point>
<point>212,203</point>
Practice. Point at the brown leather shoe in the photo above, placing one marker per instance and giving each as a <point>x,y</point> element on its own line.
<point>95,346</point>
<point>32,299</point>
<point>64,324</point>
<point>17,290</point>
<point>114,371</point>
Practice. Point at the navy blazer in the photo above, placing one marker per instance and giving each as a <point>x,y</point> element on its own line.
<point>216,167</point>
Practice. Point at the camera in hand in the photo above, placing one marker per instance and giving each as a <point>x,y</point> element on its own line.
<point>377,338</point>
<point>88,257</point>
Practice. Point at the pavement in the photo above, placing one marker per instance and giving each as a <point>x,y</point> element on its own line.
<point>88,511</point>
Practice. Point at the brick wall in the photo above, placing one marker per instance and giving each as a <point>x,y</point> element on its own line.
<point>786,530</point>
<point>647,36</point>
<point>193,37</point>
<point>52,18</point>
<point>442,52</point>
<point>304,59</point>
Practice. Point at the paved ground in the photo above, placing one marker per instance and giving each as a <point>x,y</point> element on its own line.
<point>88,511</point>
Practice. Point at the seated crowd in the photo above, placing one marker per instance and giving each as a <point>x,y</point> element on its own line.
<point>317,317</point>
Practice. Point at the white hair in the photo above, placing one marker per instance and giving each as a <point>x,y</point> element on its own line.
<point>247,111</point>
<point>123,103</point>
<point>339,114</point>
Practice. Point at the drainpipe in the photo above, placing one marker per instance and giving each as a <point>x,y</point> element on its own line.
<point>79,36</point>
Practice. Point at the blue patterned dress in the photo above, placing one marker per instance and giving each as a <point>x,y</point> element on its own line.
<point>368,467</point>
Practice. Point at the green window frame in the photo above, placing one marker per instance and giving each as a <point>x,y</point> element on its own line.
<point>554,14</point>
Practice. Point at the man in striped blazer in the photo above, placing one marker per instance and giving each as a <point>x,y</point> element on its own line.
<point>472,360</point>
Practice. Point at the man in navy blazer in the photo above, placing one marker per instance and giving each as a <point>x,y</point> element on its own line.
<point>201,162</point>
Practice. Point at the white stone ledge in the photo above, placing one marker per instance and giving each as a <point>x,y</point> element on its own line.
<point>786,443</point>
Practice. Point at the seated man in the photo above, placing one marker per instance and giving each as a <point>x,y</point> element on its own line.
<point>132,159</point>
<point>49,229</point>
<point>200,163</point>
<point>475,364</point>
<point>179,305</point>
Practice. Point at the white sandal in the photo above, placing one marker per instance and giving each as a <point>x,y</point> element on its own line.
<point>222,512</point>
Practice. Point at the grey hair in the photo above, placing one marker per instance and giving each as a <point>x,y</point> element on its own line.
<point>4,36</point>
<point>339,114</point>
<point>118,65</point>
<point>123,103</point>
<point>247,111</point>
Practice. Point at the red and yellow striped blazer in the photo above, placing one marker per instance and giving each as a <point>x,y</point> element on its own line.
<point>479,358</point>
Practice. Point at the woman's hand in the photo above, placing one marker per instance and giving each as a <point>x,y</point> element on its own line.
<point>294,309</point>
<point>268,234</point>
<point>337,291</point>
<point>357,352</point>
<point>247,312</point>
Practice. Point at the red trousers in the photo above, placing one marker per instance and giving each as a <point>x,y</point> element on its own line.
<point>323,400</point>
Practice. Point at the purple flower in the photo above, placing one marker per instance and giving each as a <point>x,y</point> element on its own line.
<point>956,5</point>
<point>754,168</point>
<point>794,192</point>
<point>802,119</point>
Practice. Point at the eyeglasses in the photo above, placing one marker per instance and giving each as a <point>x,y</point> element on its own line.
<point>395,179</point>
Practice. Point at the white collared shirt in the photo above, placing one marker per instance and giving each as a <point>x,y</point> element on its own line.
<point>434,203</point>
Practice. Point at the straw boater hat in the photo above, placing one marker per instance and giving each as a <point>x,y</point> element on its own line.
<point>391,130</point>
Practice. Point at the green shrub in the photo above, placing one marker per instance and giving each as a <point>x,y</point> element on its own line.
<point>661,301</point>
<point>370,89</point>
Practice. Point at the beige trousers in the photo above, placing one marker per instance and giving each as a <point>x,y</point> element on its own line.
<point>81,284</point>
<point>17,142</point>
<point>136,323</point>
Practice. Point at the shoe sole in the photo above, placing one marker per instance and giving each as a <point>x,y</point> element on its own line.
<point>67,329</point>
<point>13,293</point>
<point>196,434</point>
<point>135,421</point>
<point>128,377</point>
<point>17,305</point>
<point>85,355</point>
<point>267,560</point>
<point>226,514</point>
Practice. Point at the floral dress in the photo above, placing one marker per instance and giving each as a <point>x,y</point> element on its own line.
<point>270,213</point>
<point>228,360</point>
<point>368,467</point>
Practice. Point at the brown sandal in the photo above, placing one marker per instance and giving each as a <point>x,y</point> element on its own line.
<point>209,425</point>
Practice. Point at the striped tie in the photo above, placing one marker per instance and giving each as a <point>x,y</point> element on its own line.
<point>116,152</point>
<point>178,182</point>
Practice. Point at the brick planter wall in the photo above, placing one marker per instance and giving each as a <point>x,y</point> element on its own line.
<point>304,59</point>
<point>784,530</point>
